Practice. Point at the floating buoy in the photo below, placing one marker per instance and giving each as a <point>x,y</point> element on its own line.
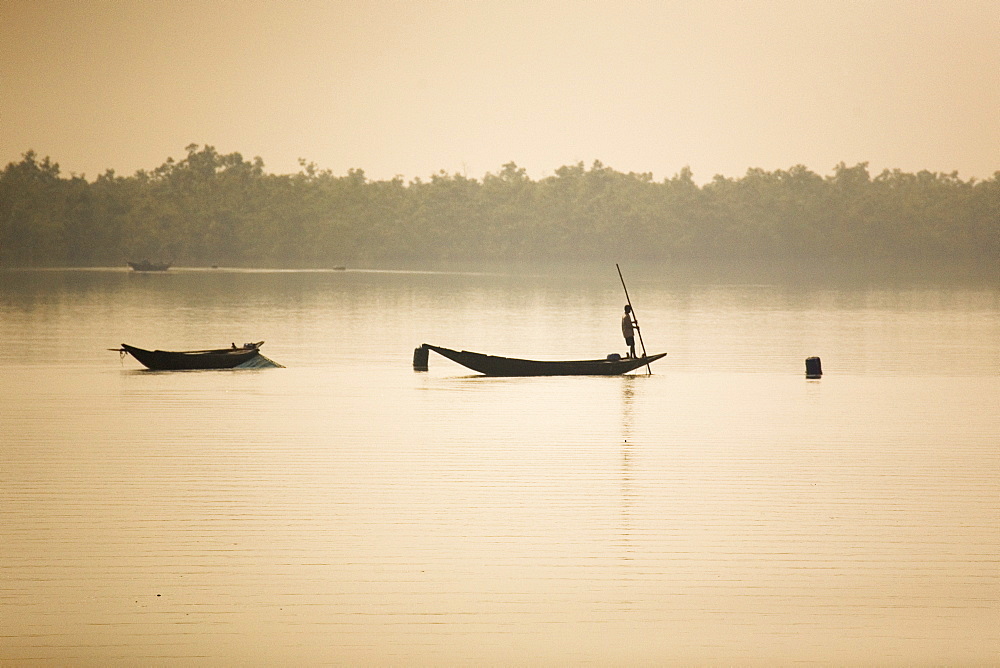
<point>813,367</point>
<point>420,358</point>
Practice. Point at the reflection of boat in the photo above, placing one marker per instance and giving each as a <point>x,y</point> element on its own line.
<point>491,365</point>
<point>146,265</point>
<point>222,358</point>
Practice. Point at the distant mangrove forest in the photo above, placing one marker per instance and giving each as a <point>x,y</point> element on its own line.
<point>209,209</point>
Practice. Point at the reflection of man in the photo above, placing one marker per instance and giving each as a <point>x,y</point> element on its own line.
<point>629,325</point>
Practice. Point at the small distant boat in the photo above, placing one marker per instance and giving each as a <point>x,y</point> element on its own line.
<point>613,365</point>
<point>146,265</point>
<point>221,358</point>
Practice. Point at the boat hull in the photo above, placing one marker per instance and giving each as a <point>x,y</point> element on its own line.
<point>164,360</point>
<point>492,365</point>
<point>149,266</point>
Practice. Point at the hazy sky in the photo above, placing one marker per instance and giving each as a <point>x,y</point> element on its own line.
<point>414,87</point>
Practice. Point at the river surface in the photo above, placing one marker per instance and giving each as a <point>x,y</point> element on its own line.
<point>348,510</point>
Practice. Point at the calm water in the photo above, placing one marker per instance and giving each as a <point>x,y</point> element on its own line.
<point>347,510</point>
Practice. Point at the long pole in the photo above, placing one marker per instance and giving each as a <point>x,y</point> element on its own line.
<point>629,302</point>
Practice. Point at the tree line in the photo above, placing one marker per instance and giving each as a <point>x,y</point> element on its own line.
<point>213,209</point>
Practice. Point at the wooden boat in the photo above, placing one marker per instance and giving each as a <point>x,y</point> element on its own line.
<point>491,365</point>
<point>146,265</point>
<point>222,358</point>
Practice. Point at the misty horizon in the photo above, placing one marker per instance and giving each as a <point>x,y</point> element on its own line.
<point>214,209</point>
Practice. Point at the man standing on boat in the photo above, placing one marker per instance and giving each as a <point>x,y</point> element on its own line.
<point>629,325</point>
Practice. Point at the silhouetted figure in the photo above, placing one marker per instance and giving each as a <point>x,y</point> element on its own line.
<point>629,325</point>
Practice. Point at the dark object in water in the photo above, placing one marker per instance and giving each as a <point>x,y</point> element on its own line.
<point>420,356</point>
<point>222,358</point>
<point>508,366</point>
<point>146,265</point>
<point>814,369</point>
